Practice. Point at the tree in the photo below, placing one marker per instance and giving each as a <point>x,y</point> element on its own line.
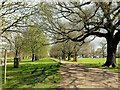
<point>98,53</point>
<point>92,48</point>
<point>14,17</point>
<point>56,50</point>
<point>34,39</point>
<point>12,13</point>
<point>101,19</point>
<point>18,44</point>
<point>72,49</point>
<point>43,51</point>
<point>85,50</point>
<point>65,49</point>
<point>103,49</point>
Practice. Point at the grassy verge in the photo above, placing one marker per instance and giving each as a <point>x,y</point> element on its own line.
<point>43,73</point>
<point>97,62</point>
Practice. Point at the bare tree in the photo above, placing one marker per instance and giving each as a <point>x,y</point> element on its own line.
<point>85,50</point>
<point>56,51</point>
<point>14,16</point>
<point>103,48</point>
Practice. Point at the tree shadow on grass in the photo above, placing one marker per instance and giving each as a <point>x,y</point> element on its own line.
<point>28,75</point>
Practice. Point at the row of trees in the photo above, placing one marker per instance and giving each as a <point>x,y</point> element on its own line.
<point>78,20</point>
<point>66,50</point>
<point>19,33</point>
<point>31,41</point>
<point>61,21</point>
<point>27,44</point>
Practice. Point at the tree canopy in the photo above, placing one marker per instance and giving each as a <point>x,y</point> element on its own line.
<point>101,19</point>
<point>64,21</point>
<point>34,40</point>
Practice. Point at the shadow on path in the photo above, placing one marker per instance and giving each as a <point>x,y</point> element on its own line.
<point>79,76</point>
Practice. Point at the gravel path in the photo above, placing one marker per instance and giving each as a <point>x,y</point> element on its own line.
<point>77,76</point>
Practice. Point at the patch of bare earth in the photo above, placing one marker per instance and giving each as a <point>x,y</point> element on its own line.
<point>78,76</point>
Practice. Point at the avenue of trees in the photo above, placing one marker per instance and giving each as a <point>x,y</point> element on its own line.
<point>84,19</point>
<point>66,50</point>
<point>19,34</point>
<point>73,21</point>
<point>31,41</point>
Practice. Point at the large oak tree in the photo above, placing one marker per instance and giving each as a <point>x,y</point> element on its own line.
<point>101,19</point>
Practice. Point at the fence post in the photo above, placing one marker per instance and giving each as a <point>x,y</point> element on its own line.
<point>5,65</point>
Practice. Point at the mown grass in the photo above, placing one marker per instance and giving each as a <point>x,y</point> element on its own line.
<point>97,62</point>
<point>43,73</point>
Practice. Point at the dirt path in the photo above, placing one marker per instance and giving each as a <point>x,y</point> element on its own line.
<point>78,76</point>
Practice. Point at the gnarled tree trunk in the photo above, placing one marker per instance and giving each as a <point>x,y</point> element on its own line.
<point>111,53</point>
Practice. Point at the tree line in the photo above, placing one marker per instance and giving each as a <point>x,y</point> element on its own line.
<point>65,21</point>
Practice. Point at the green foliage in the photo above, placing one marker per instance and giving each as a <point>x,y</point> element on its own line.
<point>39,74</point>
<point>34,40</point>
<point>0,77</point>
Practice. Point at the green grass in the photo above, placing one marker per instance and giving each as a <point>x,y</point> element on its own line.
<point>0,77</point>
<point>97,62</point>
<point>46,74</point>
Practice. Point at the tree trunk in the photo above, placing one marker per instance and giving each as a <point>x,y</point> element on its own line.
<point>63,55</point>
<point>75,56</point>
<point>111,53</point>
<point>33,57</point>
<point>103,54</point>
<point>69,56</point>
<point>82,55</point>
<point>16,59</point>
<point>36,57</point>
<point>16,62</point>
<point>16,54</point>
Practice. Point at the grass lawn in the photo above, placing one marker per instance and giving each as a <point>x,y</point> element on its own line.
<point>43,73</point>
<point>97,62</point>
